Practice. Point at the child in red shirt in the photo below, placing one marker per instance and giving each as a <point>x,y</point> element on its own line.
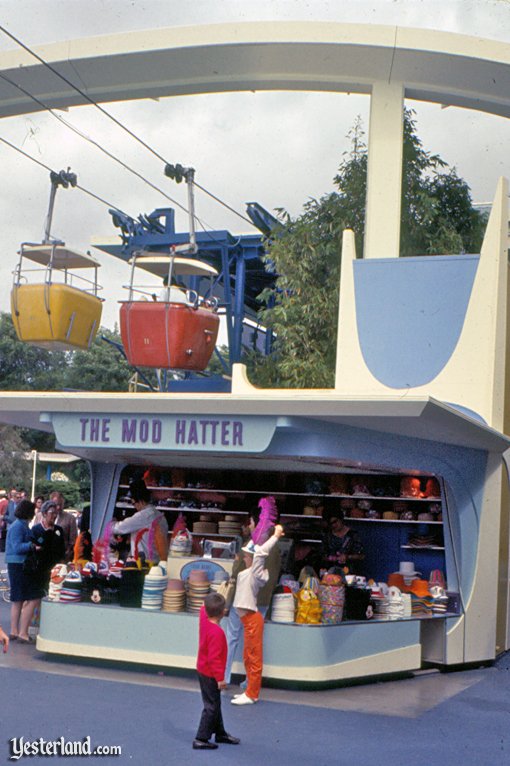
<point>211,661</point>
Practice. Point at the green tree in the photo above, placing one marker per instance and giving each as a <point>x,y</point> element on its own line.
<point>15,469</point>
<point>27,368</point>
<point>101,368</point>
<point>302,310</point>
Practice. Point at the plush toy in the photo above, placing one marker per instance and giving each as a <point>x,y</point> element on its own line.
<point>359,486</point>
<point>339,484</point>
<point>432,488</point>
<point>410,487</point>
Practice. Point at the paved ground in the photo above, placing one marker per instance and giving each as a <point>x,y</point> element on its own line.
<point>431,718</point>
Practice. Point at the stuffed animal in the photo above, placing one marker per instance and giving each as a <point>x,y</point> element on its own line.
<point>432,488</point>
<point>410,487</point>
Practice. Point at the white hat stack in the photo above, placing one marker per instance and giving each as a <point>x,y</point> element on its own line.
<point>154,587</point>
<point>283,607</point>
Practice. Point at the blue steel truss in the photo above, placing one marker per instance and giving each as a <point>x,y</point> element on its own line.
<point>241,278</point>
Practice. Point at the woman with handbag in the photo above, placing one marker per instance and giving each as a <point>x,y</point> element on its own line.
<point>50,537</point>
<point>20,550</point>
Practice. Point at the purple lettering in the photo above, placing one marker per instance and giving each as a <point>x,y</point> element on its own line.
<point>193,433</point>
<point>156,431</point>
<point>94,429</point>
<point>105,430</point>
<point>84,422</point>
<point>237,433</point>
<point>214,425</point>
<point>144,430</point>
<point>204,424</point>
<point>180,432</point>
<point>128,430</point>
<point>225,433</point>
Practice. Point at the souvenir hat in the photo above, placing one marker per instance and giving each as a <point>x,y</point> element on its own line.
<point>406,569</point>
<point>249,547</point>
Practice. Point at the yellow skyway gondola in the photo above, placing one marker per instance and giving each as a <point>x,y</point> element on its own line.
<point>53,312</point>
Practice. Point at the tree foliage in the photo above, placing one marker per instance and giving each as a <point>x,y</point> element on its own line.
<point>15,470</point>
<point>437,217</point>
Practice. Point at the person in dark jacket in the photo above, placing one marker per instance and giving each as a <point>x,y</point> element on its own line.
<point>50,538</point>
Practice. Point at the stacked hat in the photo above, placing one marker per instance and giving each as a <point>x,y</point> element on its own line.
<point>379,599</point>
<point>181,543</point>
<point>230,525</point>
<point>197,589</point>
<point>399,604</point>
<point>439,599</point>
<point>332,598</point>
<point>71,588</point>
<point>154,586</point>
<point>282,607</point>
<point>57,577</point>
<point>205,527</point>
<point>174,597</point>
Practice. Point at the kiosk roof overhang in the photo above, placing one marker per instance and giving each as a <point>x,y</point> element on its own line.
<point>441,67</point>
<point>419,417</point>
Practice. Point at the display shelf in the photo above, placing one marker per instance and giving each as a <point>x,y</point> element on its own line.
<point>423,547</point>
<point>212,534</point>
<point>392,521</point>
<point>283,493</point>
<point>187,509</point>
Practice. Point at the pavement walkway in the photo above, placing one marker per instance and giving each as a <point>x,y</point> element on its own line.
<point>431,718</point>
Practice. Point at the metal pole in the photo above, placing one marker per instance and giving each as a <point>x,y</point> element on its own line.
<point>190,178</point>
<point>49,217</point>
<point>33,456</point>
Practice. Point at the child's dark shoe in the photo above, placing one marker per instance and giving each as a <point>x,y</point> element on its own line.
<point>199,744</point>
<point>227,739</point>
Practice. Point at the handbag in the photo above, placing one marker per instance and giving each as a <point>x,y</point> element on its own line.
<point>31,565</point>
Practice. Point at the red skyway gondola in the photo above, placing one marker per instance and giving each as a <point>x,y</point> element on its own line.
<point>169,327</point>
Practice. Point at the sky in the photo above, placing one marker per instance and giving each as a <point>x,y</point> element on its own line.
<point>244,146</point>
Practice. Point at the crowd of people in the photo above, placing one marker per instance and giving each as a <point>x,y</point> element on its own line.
<point>36,535</point>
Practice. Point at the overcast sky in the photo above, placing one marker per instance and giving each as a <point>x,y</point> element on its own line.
<point>243,146</point>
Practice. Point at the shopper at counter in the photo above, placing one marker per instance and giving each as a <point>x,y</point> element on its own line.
<point>50,537</point>
<point>234,625</point>
<point>25,589</point>
<point>148,527</point>
<point>249,583</point>
<point>342,545</point>
<point>67,521</point>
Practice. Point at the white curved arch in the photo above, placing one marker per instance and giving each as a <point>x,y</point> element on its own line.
<point>432,66</point>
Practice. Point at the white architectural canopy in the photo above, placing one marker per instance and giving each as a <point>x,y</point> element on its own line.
<point>389,62</point>
<point>433,66</point>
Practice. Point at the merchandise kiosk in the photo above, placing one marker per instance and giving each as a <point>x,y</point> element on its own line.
<point>435,412</point>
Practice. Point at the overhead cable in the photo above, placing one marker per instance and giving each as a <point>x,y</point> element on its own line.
<point>50,170</point>
<point>110,116</point>
<point>91,140</point>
